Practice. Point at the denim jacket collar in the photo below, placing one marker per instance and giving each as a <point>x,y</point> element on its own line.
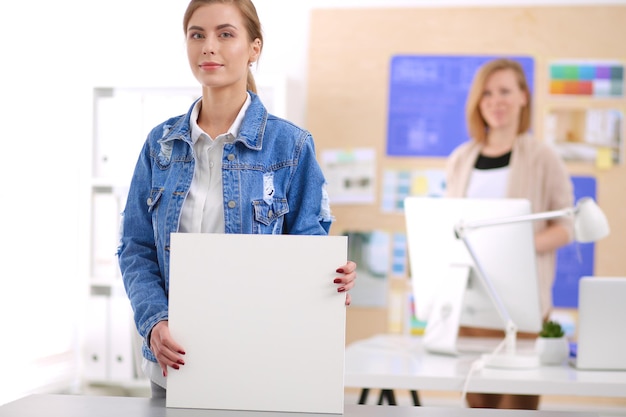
<point>250,134</point>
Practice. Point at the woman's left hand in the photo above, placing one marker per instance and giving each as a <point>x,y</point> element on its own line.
<point>346,281</point>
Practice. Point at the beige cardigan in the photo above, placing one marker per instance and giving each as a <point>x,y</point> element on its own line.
<point>536,173</point>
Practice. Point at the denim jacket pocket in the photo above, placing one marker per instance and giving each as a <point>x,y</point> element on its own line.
<point>268,218</point>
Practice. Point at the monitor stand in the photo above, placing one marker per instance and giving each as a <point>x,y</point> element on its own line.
<point>442,327</point>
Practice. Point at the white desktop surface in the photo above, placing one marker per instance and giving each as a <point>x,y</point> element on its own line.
<point>399,362</point>
<point>44,405</point>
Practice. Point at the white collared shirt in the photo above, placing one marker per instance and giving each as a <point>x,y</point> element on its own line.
<point>203,210</point>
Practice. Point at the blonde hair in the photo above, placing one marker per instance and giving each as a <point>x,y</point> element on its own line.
<point>250,16</point>
<point>476,124</point>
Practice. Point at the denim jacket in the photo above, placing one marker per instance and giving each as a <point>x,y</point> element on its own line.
<point>272,185</point>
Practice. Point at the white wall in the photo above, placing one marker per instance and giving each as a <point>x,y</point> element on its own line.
<point>44,114</point>
<point>53,54</point>
<point>135,54</point>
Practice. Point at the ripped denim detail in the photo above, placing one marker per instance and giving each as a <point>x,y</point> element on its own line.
<point>165,152</point>
<point>325,214</point>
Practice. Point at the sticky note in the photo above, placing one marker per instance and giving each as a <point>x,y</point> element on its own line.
<point>419,186</point>
<point>604,158</point>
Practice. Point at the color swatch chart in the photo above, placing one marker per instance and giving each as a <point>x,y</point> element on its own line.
<point>587,79</point>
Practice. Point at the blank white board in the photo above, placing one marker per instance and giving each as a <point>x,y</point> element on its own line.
<point>261,322</point>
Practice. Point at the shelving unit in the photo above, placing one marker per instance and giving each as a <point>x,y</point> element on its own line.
<point>122,119</point>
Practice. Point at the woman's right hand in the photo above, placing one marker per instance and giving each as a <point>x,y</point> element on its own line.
<point>164,348</point>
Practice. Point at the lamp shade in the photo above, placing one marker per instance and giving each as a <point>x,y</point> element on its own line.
<point>590,223</point>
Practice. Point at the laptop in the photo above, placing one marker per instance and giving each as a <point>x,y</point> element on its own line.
<point>601,341</point>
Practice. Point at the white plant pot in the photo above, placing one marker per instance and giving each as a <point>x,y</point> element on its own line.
<point>552,350</point>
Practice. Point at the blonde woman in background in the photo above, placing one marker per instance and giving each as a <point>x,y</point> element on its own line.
<point>503,160</point>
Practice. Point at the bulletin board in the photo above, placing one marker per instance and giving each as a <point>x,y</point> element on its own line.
<point>426,106</point>
<point>348,100</point>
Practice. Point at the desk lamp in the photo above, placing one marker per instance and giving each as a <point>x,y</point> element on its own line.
<point>590,224</point>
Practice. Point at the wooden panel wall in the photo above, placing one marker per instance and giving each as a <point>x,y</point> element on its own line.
<point>349,57</point>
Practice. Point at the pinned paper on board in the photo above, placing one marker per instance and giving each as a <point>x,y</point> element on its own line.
<point>399,184</point>
<point>419,186</point>
<point>587,78</point>
<point>350,174</point>
<point>426,104</point>
<point>604,158</point>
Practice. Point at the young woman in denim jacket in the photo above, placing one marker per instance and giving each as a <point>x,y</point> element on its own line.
<point>227,166</point>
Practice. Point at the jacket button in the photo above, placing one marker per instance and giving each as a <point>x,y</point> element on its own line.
<point>270,213</point>
<point>149,201</point>
<point>231,157</point>
<point>231,204</point>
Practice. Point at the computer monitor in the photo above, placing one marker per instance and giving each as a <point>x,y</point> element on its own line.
<point>447,289</point>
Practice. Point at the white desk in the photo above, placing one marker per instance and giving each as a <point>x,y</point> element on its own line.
<point>88,406</point>
<point>400,362</point>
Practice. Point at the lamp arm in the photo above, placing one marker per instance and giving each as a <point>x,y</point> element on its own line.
<point>462,227</point>
<point>475,224</point>
<point>504,314</point>
<point>510,326</point>
<point>585,209</point>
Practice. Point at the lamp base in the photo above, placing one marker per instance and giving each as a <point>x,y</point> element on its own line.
<point>511,361</point>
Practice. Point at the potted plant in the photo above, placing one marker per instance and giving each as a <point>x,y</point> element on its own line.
<point>552,345</point>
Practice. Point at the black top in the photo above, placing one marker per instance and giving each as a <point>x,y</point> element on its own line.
<point>493,162</point>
